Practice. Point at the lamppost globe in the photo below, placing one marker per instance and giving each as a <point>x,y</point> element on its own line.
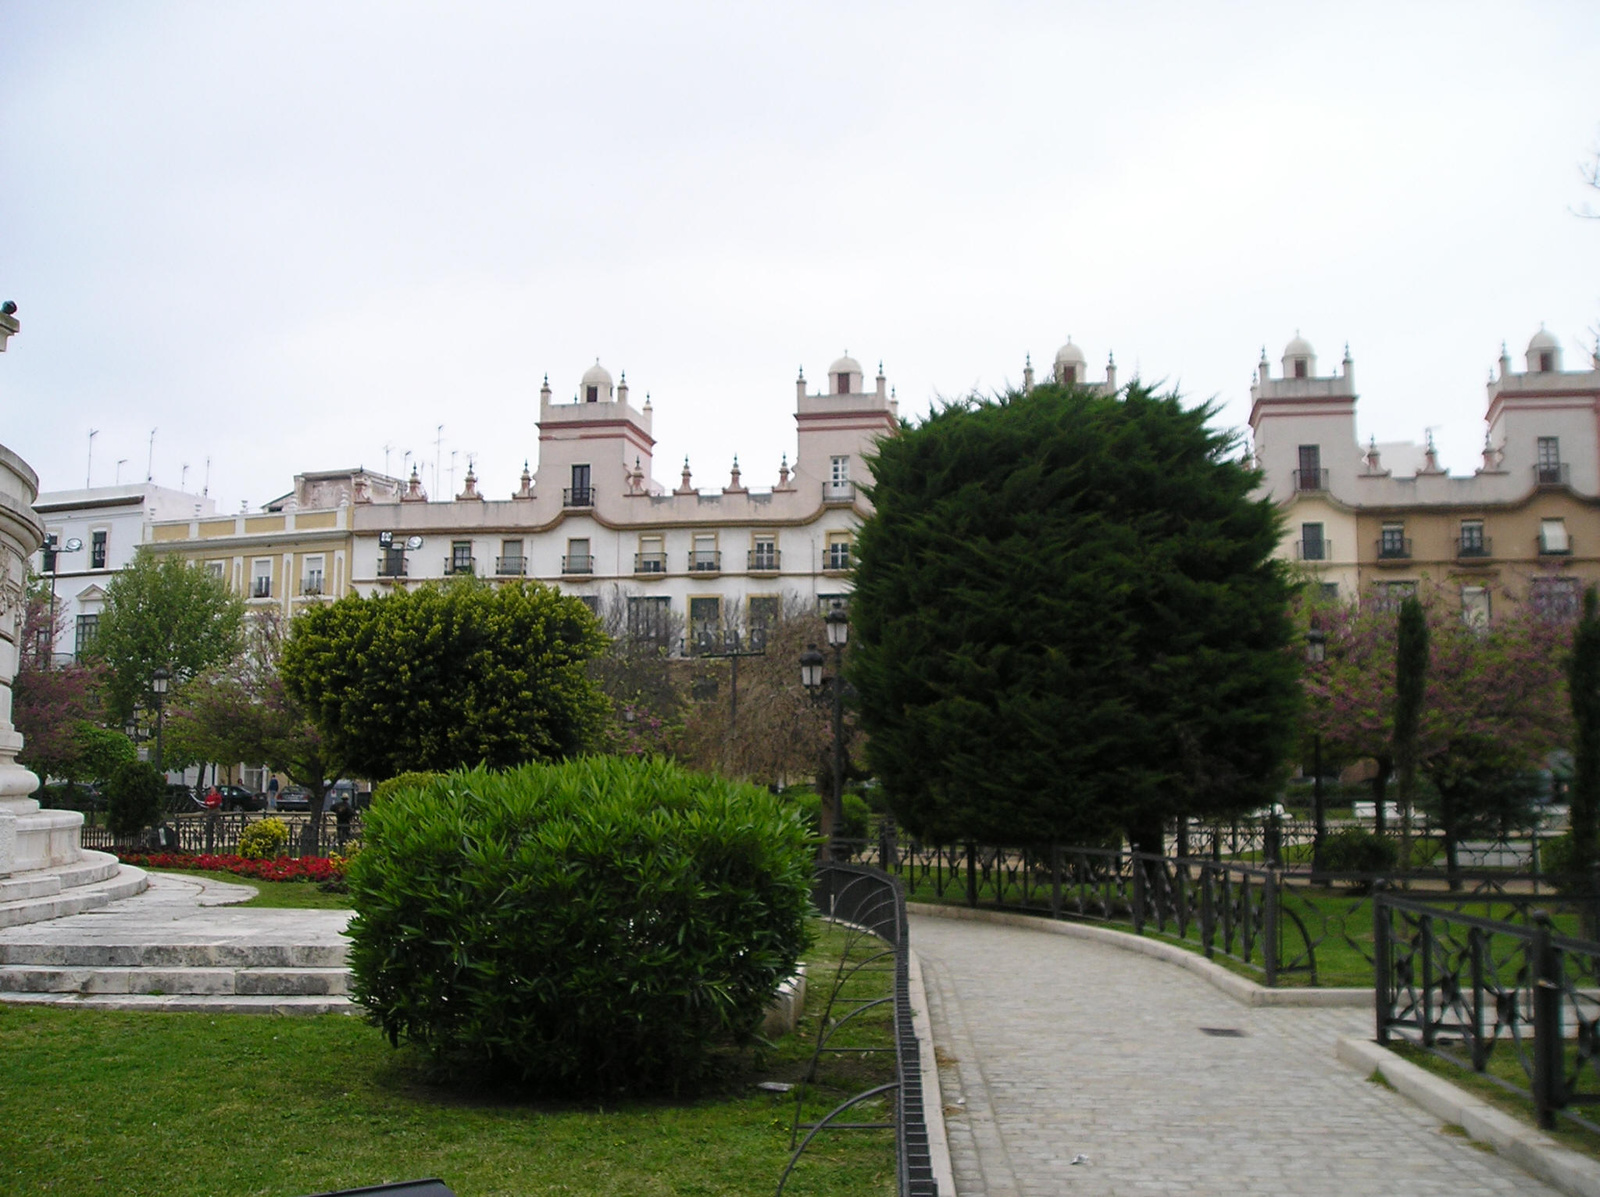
<point>160,680</point>
<point>811,668</point>
<point>838,624</point>
<point>1316,646</point>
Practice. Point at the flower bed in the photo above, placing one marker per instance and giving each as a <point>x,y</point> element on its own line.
<point>284,868</point>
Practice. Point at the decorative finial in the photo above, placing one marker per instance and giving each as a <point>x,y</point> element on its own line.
<point>1347,351</point>
<point>1027,361</point>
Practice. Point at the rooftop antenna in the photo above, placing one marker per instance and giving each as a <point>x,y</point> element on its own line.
<point>206,489</point>
<point>121,461</point>
<point>149,462</point>
<point>438,444</point>
<point>387,449</point>
<point>89,468</point>
<point>453,453</point>
<point>183,476</point>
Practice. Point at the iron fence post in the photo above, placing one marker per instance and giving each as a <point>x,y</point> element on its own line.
<point>1055,881</point>
<point>1383,977</point>
<point>1425,946</point>
<point>1138,892</point>
<point>1270,949</point>
<point>1208,911</point>
<point>972,874</point>
<point>1480,1050</point>
<point>1547,1045</point>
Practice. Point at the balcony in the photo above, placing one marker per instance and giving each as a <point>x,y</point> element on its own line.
<point>578,496</point>
<point>649,563</point>
<point>1552,473</point>
<point>838,492</point>
<point>1313,550</point>
<point>577,563</point>
<point>764,561</point>
<point>311,585</point>
<point>705,561</point>
<point>838,559</point>
<point>460,565</point>
<point>1473,548</point>
<point>510,567</point>
<point>392,565</point>
<point>260,588</point>
<point>1310,480</point>
<point>1555,548</point>
<point>1394,548</point>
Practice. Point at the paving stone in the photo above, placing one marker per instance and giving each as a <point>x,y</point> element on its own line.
<point>1057,1047</point>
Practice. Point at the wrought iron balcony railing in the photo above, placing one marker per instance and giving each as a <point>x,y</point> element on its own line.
<point>1310,480</point>
<point>1473,547</point>
<point>1551,548</point>
<point>705,561</point>
<point>261,588</point>
<point>392,565</point>
<point>510,567</point>
<point>578,496</point>
<point>311,585</point>
<point>460,565</point>
<point>1394,548</point>
<point>1313,550</point>
<point>1552,473</point>
<point>577,563</point>
<point>649,563</point>
<point>764,560</point>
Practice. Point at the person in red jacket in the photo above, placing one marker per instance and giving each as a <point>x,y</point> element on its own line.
<point>213,798</point>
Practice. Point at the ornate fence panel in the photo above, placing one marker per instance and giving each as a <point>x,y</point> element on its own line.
<point>870,899</point>
<point>1473,990</point>
<point>219,833</point>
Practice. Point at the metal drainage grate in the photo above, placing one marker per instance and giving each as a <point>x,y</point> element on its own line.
<point>1224,1032</point>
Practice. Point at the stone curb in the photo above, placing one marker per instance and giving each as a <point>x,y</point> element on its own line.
<point>932,1097</point>
<point>1533,1152</point>
<point>1241,989</point>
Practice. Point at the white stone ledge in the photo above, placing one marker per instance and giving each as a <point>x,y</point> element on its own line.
<point>1532,1151</point>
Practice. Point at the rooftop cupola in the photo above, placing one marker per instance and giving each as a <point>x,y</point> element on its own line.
<point>1070,365</point>
<point>1299,359</point>
<point>845,377</point>
<point>596,385</point>
<point>1544,353</point>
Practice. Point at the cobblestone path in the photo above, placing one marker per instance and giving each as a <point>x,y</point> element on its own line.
<point>1052,1048</point>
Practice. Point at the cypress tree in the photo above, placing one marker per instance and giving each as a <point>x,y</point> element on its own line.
<point>1068,621</point>
<point>1410,686</point>
<point>1583,676</point>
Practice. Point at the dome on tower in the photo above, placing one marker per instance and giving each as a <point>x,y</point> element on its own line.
<point>596,385</point>
<point>1070,354</point>
<point>1543,340</point>
<point>844,376</point>
<point>845,365</point>
<point>1299,347</point>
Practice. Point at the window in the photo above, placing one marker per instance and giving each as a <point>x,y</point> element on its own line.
<point>461,561</point>
<point>650,620</point>
<point>1475,606</point>
<point>705,623</point>
<point>217,570</point>
<point>591,394</point>
<point>838,557</point>
<point>825,602</point>
<point>1547,361</point>
<point>1548,460</point>
<point>839,471</point>
<point>591,601</point>
<point>1300,365</point>
<point>843,383</point>
<point>704,558</point>
<point>1555,598</point>
<point>97,548</point>
<point>1392,542</point>
<point>311,583</point>
<point>1069,374</point>
<point>764,611</point>
<point>1553,537</point>
<point>511,561</point>
<point>1310,475</point>
<point>1312,546</point>
<point>1472,542</point>
<point>1389,595</point>
<point>652,556</point>
<point>88,626</point>
<point>261,578</point>
<point>765,553</point>
<point>1330,591</point>
<point>581,493</point>
<point>577,560</point>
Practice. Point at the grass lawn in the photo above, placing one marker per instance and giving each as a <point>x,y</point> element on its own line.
<point>297,894</point>
<point>191,1105</point>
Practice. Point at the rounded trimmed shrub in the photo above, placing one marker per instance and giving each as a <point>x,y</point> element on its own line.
<point>401,781</point>
<point>592,926</point>
<point>133,798</point>
<point>1356,851</point>
<point>265,839</point>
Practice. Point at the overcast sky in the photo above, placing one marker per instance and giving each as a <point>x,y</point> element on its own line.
<point>287,235</point>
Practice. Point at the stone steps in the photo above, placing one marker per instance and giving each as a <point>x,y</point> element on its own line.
<point>186,1002</point>
<point>255,982</point>
<point>89,884</point>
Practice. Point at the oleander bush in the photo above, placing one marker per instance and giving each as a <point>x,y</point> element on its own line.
<point>595,926</point>
<point>264,839</point>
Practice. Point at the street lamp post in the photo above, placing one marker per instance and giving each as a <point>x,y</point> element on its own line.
<point>53,553</point>
<point>1316,653</point>
<point>837,624</point>
<point>159,680</point>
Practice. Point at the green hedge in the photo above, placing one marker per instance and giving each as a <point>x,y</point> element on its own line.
<point>587,927</point>
<point>133,798</point>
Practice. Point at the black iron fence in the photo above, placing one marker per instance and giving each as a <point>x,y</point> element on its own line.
<point>1475,991</point>
<point>868,899</point>
<point>219,833</point>
<point>1284,925</point>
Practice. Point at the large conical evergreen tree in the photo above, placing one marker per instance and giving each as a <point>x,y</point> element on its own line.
<point>1410,685</point>
<point>1583,676</point>
<point>1068,621</point>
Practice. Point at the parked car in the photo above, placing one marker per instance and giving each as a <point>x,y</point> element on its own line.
<point>294,798</point>
<point>238,798</point>
<point>180,798</point>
